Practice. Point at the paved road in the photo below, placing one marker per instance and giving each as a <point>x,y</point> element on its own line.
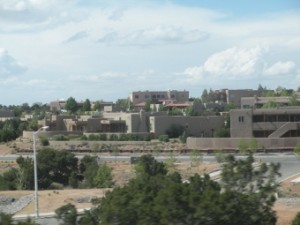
<point>290,164</point>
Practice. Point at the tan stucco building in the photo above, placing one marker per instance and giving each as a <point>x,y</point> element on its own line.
<point>138,97</point>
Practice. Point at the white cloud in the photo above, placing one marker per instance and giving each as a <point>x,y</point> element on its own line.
<point>234,62</point>
<point>238,64</point>
<point>159,35</point>
<point>31,15</point>
<point>231,63</point>
<point>8,65</point>
<point>281,68</point>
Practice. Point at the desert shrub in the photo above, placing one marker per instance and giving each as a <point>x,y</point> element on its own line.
<point>163,138</point>
<point>44,141</point>
<point>113,137</point>
<point>103,137</point>
<point>60,137</point>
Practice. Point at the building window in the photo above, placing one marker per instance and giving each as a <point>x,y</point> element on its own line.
<point>146,96</point>
<point>241,119</point>
<point>136,96</point>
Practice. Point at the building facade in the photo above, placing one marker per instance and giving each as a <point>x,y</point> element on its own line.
<point>138,97</point>
<point>197,126</point>
<point>265,123</point>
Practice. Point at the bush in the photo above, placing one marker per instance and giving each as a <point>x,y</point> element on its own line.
<point>175,131</point>
<point>124,137</point>
<point>84,138</point>
<point>113,137</point>
<point>60,137</point>
<point>94,137</point>
<point>56,186</point>
<point>163,138</point>
<point>44,141</point>
<point>103,137</point>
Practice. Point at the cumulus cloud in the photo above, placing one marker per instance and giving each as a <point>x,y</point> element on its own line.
<point>233,63</point>
<point>158,35</point>
<point>237,64</point>
<point>281,68</point>
<point>8,65</point>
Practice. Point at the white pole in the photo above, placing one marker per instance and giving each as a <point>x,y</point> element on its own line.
<point>36,196</point>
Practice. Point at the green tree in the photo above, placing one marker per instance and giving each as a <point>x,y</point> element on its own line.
<point>124,104</point>
<point>97,106</point>
<point>296,220</point>
<point>103,178</point>
<point>204,96</point>
<point>67,214</point>
<point>297,149</point>
<point>71,105</point>
<point>86,105</point>
<point>88,167</point>
<point>6,219</point>
<point>147,107</point>
<point>244,196</point>
<point>175,130</point>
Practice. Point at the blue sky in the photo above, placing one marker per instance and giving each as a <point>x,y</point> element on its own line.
<point>104,49</point>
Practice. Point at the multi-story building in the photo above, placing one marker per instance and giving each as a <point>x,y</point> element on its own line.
<point>259,102</point>
<point>234,96</point>
<point>265,123</point>
<point>139,97</point>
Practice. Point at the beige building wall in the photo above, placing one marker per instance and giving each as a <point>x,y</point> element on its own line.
<point>241,123</point>
<point>234,96</point>
<point>143,96</point>
<point>272,123</point>
<point>194,125</point>
<point>233,143</point>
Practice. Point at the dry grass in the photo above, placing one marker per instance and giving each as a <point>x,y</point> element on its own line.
<point>50,200</point>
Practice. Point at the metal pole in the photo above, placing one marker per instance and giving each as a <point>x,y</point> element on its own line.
<point>36,196</point>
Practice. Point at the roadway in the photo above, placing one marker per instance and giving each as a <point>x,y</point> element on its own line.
<point>290,164</point>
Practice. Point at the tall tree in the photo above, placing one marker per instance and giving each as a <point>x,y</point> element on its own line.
<point>244,196</point>
<point>86,105</point>
<point>71,105</point>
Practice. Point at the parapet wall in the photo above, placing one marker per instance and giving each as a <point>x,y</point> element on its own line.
<point>233,143</point>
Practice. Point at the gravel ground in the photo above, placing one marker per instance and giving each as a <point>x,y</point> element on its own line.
<point>11,206</point>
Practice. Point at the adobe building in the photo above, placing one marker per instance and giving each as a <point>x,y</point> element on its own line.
<point>272,129</point>
<point>265,123</point>
<point>259,102</point>
<point>139,97</point>
<point>235,96</point>
<point>197,126</point>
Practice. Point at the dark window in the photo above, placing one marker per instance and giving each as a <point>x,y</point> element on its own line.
<point>136,96</point>
<point>241,119</point>
<point>258,118</point>
<point>146,96</point>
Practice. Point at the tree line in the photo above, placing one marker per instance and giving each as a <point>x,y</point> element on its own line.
<point>245,195</point>
<point>57,169</point>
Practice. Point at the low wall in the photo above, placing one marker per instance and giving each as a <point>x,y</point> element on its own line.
<point>28,134</point>
<point>233,143</point>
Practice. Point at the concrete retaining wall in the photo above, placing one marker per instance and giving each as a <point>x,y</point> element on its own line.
<point>233,143</point>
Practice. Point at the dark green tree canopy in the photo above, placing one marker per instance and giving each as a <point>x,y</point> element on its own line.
<point>71,105</point>
<point>86,105</point>
<point>244,196</point>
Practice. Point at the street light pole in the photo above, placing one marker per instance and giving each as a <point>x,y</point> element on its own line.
<point>36,196</point>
